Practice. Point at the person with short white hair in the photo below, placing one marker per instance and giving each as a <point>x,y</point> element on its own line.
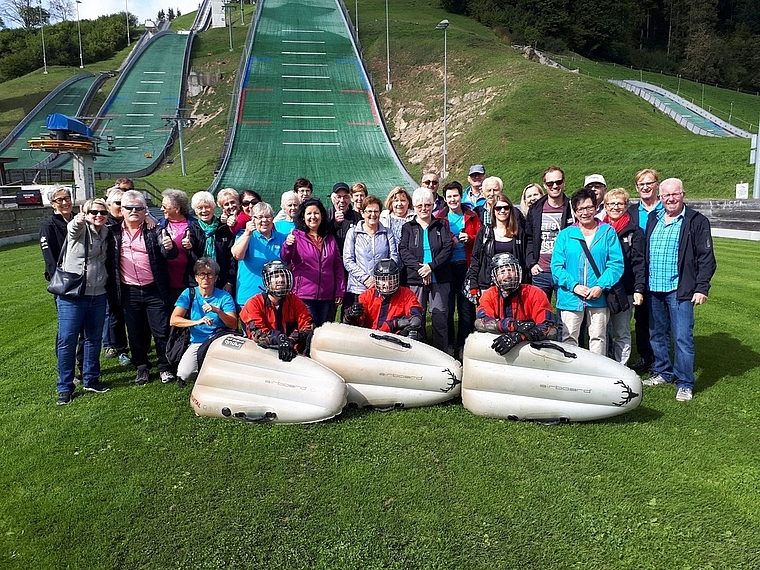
<point>285,221</point>
<point>217,239</point>
<point>425,250</point>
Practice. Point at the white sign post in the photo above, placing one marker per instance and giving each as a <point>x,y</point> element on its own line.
<point>742,191</point>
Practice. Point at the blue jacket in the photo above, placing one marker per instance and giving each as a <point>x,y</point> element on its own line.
<point>361,252</point>
<point>570,266</point>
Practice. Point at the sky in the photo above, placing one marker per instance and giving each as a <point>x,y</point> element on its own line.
<point>143,9</point>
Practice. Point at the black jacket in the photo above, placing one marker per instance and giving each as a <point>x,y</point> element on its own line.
<point>533,228</point>
<point>479,273</point>
<point>157,256</point>
<point>52,238</point>
<point>633,244</point>
<point>340,230</point>
<point>410,250</point>
<point>696,259</point>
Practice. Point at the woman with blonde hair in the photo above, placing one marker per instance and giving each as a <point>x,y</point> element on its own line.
<point>398,211</point>
<point>530,195</point>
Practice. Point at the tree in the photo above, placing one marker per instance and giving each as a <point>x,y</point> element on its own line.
<point>62,10</point>
<point>170,14</point>
<point>161,15</point>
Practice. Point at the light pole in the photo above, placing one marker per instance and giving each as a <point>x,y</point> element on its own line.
<point>79,30</point>
<point>42,29</point>
<point>387,48</point>
<point>442,25</point>
<point>126,9</point>
<point>228,8</point>
<point>242,14</point>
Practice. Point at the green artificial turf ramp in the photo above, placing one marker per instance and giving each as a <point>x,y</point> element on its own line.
<point>307,108</point>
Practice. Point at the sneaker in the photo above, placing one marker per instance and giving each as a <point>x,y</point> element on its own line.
<point>111,353</point>
<point>124,359</point>
<point>684,395</point>
<point>97,386</point>
<point>64,398</point>
<point>641,365</point>
<point>655,380</point>
<point>143,376</point>
<point>167,376</point>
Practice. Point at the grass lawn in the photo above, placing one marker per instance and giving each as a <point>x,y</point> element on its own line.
<point>133,479</point>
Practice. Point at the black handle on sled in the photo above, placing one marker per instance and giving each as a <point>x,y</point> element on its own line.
<point>262,419</point>
<point>389,338</point>
<point>565,353</point>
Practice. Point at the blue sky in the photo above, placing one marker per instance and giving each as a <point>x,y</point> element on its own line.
<point>143,9</point>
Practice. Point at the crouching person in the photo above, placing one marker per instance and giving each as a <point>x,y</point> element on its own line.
<point>387,306</point>
<point>516,311</point>
<point>203,309</point>
<point>277,318</point>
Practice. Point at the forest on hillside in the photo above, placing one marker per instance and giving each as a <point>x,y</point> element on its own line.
<point>709,41</point>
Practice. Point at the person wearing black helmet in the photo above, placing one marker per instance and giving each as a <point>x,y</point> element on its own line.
<point>387,306</point>
<point>277,318</point>
<point>516,311</point>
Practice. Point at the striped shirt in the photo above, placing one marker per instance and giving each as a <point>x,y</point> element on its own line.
<point>663,254</point>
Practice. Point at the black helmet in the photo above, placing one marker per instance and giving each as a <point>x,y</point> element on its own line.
<point>277,287</point>
<point>387,277</point>
<point>506,281</point>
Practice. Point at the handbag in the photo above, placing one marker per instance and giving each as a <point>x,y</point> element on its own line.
<point>68,284</point>
<point>179,338</point>
<point>617,298</point>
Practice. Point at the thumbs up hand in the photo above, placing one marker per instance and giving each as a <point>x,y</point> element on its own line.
<point>186,243</point>
<point>166,239</point>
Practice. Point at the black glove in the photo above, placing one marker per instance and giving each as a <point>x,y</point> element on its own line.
<point>506,342</point>
<point>534,334</point>
<point>407,326</point>
<point>354,314</point>
<point>524,326</point>
<point>286,348</point>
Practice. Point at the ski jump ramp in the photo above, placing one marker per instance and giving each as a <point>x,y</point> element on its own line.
<point>306,107</point>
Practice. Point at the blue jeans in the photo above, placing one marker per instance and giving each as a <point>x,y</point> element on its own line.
<point>669,319</point>
<point>321,311</point>
<point>114,331</point>
<point>75,315</point>
<point>544,281</point>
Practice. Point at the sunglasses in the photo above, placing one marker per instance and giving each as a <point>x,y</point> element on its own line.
<point>431,182</point>
<point>501,208</point>
<point>134,208</point>
<point>249,202</point>
<point>98,213</point>
<point>559,182</point>
<point>117,203</point>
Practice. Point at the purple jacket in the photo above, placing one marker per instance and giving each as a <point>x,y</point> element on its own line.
<point>316,275</point>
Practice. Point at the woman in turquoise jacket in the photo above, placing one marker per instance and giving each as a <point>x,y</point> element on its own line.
<point>580,292</point>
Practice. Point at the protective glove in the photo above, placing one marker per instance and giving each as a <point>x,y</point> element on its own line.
<point>472,293</point>
<point>506,342</point>
<point>286,348</point>
<point>534,334</point>
<point>354,314</point>
<point>524,326</point>
<point>408,326</point>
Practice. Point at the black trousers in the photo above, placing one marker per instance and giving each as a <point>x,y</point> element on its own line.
<point>146,314</point>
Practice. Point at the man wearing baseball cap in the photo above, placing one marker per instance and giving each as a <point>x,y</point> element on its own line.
<point>598,184</point>
<point>473,194</point>
<point>341,216</point>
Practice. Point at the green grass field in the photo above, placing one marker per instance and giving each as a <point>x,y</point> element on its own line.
<point>133,479</point>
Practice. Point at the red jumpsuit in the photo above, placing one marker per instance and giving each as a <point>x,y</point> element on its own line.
<point>380,312</point>
<point>527,303</point>
<point>291,318</point>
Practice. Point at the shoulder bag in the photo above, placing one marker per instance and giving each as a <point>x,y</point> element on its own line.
<point>68,284</point>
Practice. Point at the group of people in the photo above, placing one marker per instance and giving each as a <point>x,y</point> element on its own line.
<point>383,264</point>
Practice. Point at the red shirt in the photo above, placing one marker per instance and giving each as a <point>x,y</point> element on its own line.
<point>380,312</point>
<point>261,317</point>
<point>529,304</point>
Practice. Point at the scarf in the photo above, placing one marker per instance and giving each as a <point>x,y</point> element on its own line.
<point>209,229</point>
<point>620,224</point>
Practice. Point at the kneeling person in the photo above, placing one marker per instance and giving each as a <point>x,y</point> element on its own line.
<point>519,312</point>
<point>205,310</point>
<point>387,306</point>
<point>277,318</point>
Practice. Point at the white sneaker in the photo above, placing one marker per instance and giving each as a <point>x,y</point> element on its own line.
<point>684,395</point>
<point>166,377</point>
<point>654,380</point>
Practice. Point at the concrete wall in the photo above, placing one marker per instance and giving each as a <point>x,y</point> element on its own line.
<point>21,224</point>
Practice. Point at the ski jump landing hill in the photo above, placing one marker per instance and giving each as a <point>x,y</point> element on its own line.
<point>685,113</point>
<point>305,107</point>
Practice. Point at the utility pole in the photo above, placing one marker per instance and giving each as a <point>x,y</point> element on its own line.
<point>181,121</point>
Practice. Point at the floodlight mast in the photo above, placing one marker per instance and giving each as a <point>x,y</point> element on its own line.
<point>443,25</point>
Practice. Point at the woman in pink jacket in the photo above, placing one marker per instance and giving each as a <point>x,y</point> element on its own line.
<point>317,265</point>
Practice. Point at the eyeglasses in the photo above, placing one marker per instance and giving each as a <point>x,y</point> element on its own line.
<point>264,218</point>
<point>133,208</point>
<point>421,206</point>
<point>372,212</point>
<point>431,182</point>
<point>248,202</point>
<point>205,275</point>
<point>670,196</point>
<point>62,200</point>
<point>98,213</point>
<point>615,204</point>
<point>646,183</point>
<point>586,209</point>
<point>117,203</point>
<point>502,208</point>
<point>550,183</point>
